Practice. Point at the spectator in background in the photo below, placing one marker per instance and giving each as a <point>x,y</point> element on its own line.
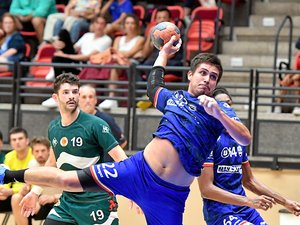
<point>62,43</point>
<point>4,6</point>
<point>76,18</point>
<point>89,44</point>
<point>123,53</point>
<point>88,102</point>
<point>149,53</point>
<point>2,154</point>
<point>12,47</point>
<point>16,159</point>
<point>33,13</point>
<point>117,9</point>
<point>41,151</point>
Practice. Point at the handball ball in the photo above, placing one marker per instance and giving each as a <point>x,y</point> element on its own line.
<point>162,33</point>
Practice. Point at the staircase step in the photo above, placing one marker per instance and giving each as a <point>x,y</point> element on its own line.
<point>276,8</point>
<point>272,21</point>
<point>255,48</point>
<point>241,78</point>
<point>261,33</point>
<point>249,61</point>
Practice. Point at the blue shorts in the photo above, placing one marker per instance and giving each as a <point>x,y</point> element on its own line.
<point>162,202</point>
<point>253,218</point>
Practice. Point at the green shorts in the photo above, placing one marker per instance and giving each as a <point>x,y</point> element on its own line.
<point>96,211</point>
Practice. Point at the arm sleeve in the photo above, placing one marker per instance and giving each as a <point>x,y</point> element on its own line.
<point>17,42</point>
<point>210,160</point>
<point>155,82</point>
<point>87,181</point>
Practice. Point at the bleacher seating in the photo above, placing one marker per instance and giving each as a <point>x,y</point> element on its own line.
<point>200,35</point>
<point>27,51</point>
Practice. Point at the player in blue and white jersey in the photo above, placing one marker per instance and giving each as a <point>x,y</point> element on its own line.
<point>225,172</point>
<point>158,178</point>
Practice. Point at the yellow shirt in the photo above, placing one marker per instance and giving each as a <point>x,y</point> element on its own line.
<point>12,161</point>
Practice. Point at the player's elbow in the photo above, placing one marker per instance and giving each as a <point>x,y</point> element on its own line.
<point>245,138</point>
<point>205,191</point>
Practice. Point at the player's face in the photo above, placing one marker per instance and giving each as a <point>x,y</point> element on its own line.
<point>223,98</point>
<point>67,97</point>
<point>19,142</point>
<point>87,100</point>
<point>204,80</point>
<point>41,153</point>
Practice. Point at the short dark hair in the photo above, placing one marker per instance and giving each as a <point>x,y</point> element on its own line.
<point>16,130</point>
<point>163,8</point>
<point>40,140</point>
<point>207,58</point>
<point>221,90</point>
<point>65,78</point>
<point>1,136</point>
<point>99,15</point>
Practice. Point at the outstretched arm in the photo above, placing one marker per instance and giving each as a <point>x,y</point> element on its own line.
<point>211,191</point>
<point>254,185</point>
<point>156,76</point>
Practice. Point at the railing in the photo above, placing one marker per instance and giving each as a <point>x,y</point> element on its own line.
<point>288,64</point>
<point>253,100</point>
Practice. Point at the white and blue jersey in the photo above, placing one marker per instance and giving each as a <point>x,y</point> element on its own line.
<point>227,160</point>
<point>188,127</point>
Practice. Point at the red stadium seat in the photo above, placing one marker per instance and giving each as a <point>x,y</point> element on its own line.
<point>297,61</point>
<point>140,12</point>
<point>201,33</point>
<point>44,55</point>
<point>60,8</point>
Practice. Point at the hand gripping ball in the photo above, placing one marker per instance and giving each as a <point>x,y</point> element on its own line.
<point>162,33</point>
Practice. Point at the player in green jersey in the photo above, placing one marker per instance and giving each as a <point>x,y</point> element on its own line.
<point>79,140</point>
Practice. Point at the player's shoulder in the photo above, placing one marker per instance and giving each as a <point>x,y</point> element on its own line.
<point>53,123</point>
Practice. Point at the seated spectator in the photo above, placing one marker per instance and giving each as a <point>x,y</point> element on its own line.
<point>149,53</point>
<point>124,51</point>
<point>12,48</point>
<point>33,14</point>
<point>41,151</point>
<point>2,154</point>
<point>4,6</point>
<point>87,103</point>
<point>16,159</point>
<point>75,19</point>
<point>64,44</point>
<point>89,44</point>
<point>117,9</point>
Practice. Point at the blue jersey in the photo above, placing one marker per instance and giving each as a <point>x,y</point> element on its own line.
<point>188,127</point>
<point>227,159</point>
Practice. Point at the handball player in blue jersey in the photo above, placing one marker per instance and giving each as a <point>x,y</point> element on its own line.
<point>224,173</point>
<point>158,178</point>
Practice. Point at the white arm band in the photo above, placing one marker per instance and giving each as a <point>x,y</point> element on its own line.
<point>37,190</point>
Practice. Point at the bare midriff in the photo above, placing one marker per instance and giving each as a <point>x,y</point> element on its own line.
<point>164,160</point>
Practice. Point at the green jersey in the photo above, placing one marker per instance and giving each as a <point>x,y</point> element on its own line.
<point>85,142</point>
